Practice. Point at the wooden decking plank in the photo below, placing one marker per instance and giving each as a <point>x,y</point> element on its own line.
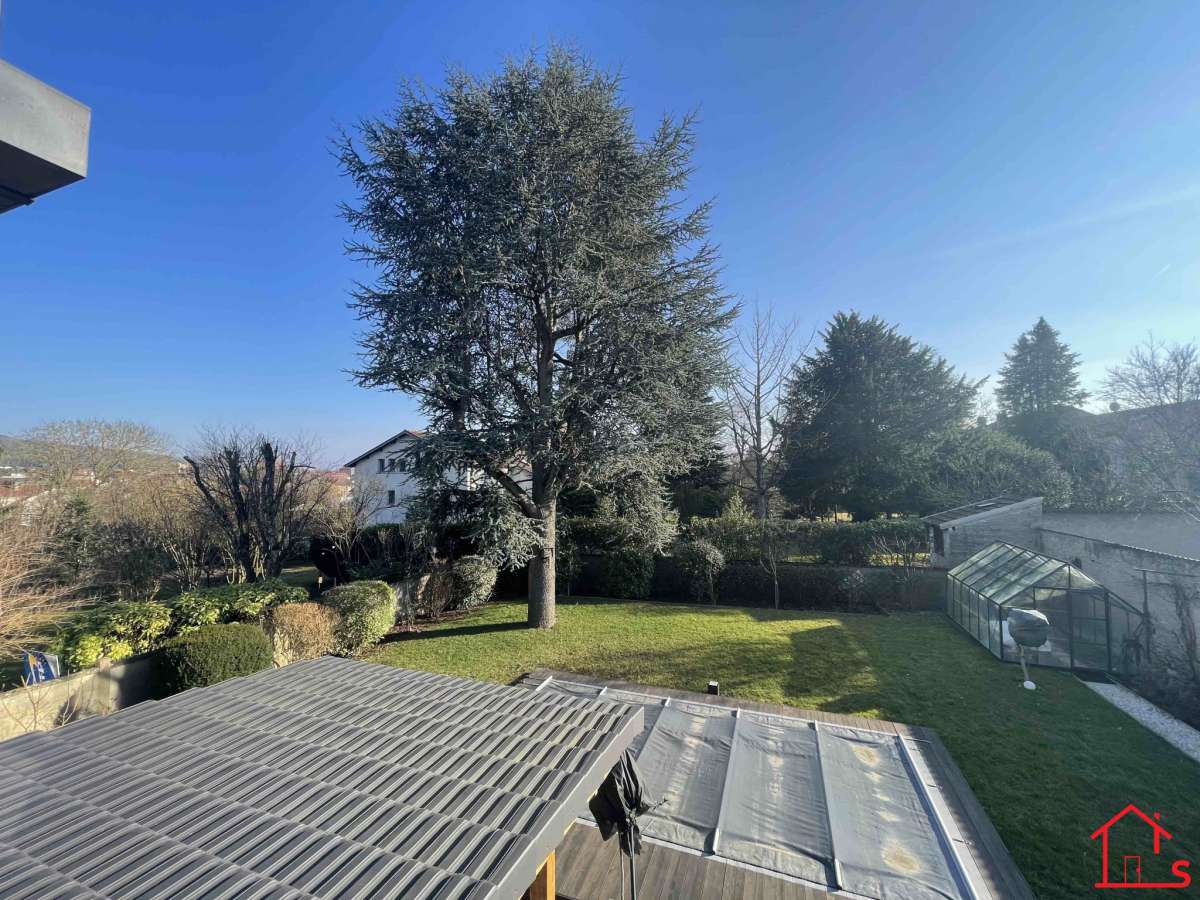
<point>670,871</point>
<point>991,856</point>
<point>600,877</point>
<point>712,883</point>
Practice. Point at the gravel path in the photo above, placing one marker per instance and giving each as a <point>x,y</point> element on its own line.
<point>1181,735</point>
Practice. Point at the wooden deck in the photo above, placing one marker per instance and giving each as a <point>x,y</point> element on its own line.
<point>587,866</point>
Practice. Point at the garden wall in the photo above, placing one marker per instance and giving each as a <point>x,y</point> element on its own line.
<point>1119,568</point>
<point>91,692</point>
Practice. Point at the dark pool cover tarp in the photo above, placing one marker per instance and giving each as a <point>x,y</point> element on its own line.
<point>831,805</point>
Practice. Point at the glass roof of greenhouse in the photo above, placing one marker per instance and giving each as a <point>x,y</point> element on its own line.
<point>1002,572</point>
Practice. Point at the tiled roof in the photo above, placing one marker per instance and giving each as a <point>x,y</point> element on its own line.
<point>332,778</point>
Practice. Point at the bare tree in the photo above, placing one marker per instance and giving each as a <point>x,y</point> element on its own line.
<point>95,450</point>
<point>183,526</point>
<point>905,554</point>
<point>30,598</point>
<point>342,519</point>
<point>263,493</point>
<point>763,356</point>
<point>1162,438</point>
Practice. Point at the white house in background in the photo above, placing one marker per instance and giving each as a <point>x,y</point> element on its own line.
<point>383,474</point>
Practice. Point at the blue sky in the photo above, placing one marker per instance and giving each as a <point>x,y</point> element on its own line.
<point>958,169</point>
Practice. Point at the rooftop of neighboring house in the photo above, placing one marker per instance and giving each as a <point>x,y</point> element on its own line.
<point>408,433</point>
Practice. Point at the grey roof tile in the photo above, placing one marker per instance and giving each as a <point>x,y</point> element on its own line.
<point>333,778</point>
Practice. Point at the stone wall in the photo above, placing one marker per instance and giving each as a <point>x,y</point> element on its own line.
<point>1012,524</point>
<point>1118,568</point>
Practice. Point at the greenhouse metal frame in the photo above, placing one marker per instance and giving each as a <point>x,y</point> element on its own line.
<point>1090,626</point>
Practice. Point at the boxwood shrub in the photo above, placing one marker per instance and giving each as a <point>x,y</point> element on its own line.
<point>211,654</point>
<point>367,610</point>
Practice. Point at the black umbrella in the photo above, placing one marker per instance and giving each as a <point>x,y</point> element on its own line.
<point>616,807</point>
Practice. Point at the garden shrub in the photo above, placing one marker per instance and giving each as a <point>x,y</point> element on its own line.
<point>197,608</point>
<point>626,574</point>
<point>232,603</point>
<point>115,631</point>
<point>85,650</point>
<point>435,590</point>
<point>367,610</point>
<point>473,579</point>
<point>212,654</point>
<point>302,631</point>
<point>701,563</point>
<point>854,543</point>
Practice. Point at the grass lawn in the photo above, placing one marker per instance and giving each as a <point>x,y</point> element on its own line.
<point>1049,766</point>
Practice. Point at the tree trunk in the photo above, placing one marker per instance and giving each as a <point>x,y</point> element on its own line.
<point>542,571</point>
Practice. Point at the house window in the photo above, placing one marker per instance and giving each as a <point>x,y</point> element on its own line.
<point>939,541</point>
<point>382,463</point>
<point>391,498</point>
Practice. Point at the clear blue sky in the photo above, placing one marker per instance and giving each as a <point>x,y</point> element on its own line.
<point>957,169</point>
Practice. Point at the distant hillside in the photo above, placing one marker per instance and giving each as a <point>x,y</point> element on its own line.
<point>15,451</point>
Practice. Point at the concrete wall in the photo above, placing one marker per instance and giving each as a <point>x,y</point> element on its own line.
<point>1117,568</point>
<point>43,137</point>
<point>966,537</point>
<point>91,692</point>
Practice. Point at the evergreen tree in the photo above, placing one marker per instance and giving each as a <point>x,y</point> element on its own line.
<point>859,414</point>
<point>1041,375</point>
<point>541,288</point>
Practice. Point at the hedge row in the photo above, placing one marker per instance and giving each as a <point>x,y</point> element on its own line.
<point>119,630</point>
<point>801,585</point>
<point>832,543</point>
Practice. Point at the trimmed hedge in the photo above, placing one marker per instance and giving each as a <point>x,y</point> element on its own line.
<point>301,631</point>
<point>367,610</point>
<point>473,579</point>
<point>842,588</point>
<point>626,574</point>
<point>739,537</point>
<point>115,631</point>
<point>701,564</point>
<point>212,654</point>
<point>232,603</point>
<point>855,543</point>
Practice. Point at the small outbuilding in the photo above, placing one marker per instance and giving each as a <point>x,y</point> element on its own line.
<point>1090,626</point>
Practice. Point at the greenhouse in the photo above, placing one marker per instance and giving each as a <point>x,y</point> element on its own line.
<point>1090,626</point>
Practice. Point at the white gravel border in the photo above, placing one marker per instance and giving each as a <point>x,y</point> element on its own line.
<point>1180,735</point>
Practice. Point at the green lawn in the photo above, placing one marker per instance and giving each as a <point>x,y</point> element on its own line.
<point>1049,766</point>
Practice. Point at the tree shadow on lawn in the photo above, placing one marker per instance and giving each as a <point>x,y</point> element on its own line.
<point>396,637</point>
<point>745,667</point>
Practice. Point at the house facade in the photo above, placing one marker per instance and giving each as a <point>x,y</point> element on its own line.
<point>383,479</point>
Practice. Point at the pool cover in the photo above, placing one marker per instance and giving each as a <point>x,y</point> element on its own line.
<point>842,808</point>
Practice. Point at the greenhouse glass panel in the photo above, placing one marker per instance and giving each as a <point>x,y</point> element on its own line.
<point>1090,627</point>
